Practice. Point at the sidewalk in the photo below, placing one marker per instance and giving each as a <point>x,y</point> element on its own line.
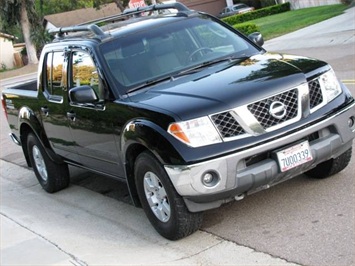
<point>21,246</point>
<point>18,72</point>
<point>80,227</point>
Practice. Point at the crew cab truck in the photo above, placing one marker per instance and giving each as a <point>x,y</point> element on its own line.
<point>186,110</point>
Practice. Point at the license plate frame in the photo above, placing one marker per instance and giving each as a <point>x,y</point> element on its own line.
<point>293,156</point>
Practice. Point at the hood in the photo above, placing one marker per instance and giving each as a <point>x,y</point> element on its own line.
<point>226,85</point>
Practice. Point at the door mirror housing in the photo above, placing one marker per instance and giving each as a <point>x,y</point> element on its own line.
<point>256,37</point>
<point>83,94</point>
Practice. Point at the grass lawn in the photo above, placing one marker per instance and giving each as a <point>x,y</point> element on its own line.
<point>280,24</point>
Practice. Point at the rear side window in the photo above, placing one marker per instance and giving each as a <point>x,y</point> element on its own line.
<point>55,77</point>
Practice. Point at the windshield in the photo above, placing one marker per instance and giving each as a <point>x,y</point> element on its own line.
<point>237,7</point>
<point>165,50</point>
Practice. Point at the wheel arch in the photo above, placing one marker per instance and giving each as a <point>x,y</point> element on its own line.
<point>29,123</point>
<point>131,155</point>
<point>139,136</point>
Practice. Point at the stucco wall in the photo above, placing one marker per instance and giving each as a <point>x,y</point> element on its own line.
<point>6,53</point>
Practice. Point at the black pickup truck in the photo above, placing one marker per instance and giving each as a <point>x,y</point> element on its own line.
<point>186,110</point>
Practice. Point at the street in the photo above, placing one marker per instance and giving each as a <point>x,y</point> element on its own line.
<point>306,221</point>
<point>302,221</point>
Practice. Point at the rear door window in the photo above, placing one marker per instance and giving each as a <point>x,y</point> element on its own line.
<point>55,76</point>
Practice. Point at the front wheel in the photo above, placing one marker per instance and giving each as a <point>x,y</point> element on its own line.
<point>51,175</point>
<point>331,167</point>
<point>164,208</point>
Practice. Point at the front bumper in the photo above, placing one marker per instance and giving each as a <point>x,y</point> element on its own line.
<point>238,178</point>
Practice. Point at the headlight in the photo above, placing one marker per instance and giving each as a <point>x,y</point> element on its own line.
<point>196,132</point>
<point>330,84</point>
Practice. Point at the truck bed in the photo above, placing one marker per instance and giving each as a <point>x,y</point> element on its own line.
<point>27,89</point>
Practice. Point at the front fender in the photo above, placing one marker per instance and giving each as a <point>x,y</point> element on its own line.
<point>153,138</point>
<point>140,135</point>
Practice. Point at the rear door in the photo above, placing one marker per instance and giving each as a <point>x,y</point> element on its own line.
<point>53,104</point>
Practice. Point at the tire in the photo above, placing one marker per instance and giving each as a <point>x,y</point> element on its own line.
<point>331,167</point>
<point>164,208</point>
<point>51,175</point>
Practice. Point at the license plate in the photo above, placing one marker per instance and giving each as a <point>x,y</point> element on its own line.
<point>294,156</point>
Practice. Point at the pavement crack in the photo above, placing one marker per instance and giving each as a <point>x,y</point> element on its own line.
<point>74,260</point>
<point>253,249</point>
<point>198,253</point>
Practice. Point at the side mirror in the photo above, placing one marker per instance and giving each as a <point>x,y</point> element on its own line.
<point>83,94</point>
<point>257,38</point>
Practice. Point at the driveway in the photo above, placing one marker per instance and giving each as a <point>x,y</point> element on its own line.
<point>306,221</point>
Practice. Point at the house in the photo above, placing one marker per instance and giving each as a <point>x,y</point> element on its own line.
<point>215,6</point>
<point>210,6</point>
<point>79,16</point>
<point>7,51</point>
<point>298,4</point>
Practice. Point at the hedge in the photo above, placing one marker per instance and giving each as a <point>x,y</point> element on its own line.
<point>263,12</point>
<point>246,27</point>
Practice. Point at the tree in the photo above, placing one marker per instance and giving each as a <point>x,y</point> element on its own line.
<point>21,12</point>
<point>49,7</point>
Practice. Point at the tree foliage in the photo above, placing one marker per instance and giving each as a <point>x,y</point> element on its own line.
<point>21,13</point>
<point>10,16</point>
<point>48,7</point>
<point>10,13</point>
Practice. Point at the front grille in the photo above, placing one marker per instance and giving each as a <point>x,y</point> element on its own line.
<point>315,93</point>
<point>261,109</point>
<point>270,113</point>
<point>227,125</point>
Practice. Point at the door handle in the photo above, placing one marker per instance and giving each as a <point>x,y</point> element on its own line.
<point>71,116</point>
<point>45,110</point>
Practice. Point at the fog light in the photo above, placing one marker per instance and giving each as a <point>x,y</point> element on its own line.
<point>210,179</point>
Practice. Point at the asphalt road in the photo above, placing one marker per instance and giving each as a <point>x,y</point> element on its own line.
<point>307,221</point>
<point>304,221</point>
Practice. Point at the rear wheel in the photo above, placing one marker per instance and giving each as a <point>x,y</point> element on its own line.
<point>331,167</point>
<point>51,175</point>
<point>164,208</point>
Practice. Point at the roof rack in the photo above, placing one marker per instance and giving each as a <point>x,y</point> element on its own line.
<point>178,6</point>
<point>90,26</point>
<point>133,11</point>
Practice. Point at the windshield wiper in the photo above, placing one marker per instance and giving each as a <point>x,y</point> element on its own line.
<point>150,83</point>
<point>195,69</point>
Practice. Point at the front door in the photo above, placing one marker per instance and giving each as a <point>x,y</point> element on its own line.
<point>92,123</point>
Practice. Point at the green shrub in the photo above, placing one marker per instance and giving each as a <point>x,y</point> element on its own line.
<point>246,28</point>
<point>263,12</point>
